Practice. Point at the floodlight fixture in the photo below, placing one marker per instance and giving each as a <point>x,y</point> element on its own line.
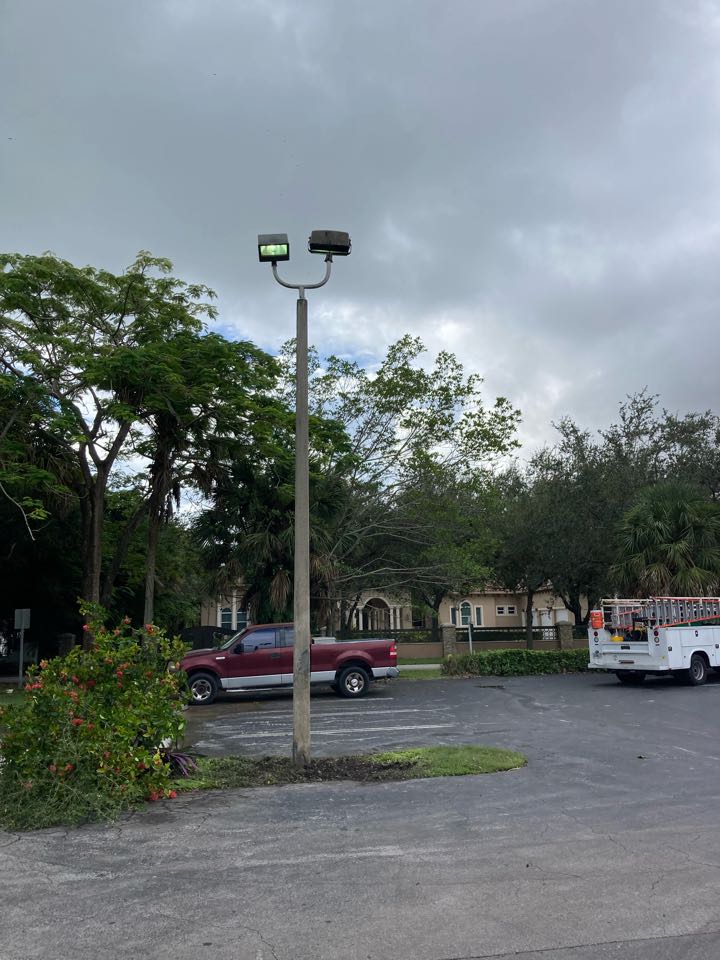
<point>334,243</point>
<point>273,247</point>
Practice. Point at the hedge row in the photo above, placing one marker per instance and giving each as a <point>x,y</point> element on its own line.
<point>516,663</point>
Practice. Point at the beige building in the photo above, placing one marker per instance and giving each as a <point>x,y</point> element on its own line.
<point>381,611</point>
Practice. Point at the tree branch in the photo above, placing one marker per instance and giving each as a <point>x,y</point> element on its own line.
<point>20,508</point>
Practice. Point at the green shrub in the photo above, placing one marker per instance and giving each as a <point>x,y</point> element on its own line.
<point>413,636</point>
<point>516,663</point>
<point>87,741</point>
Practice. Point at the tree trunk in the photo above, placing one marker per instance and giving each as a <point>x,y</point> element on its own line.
<point>86,522</point>
<point>349,611</point>
<point>529,619</point>
<point>150,564</point>
<point>161,473</point>
<point>93,546</point>
<point>574,605</point>
<point>121,551</point>
<point>437,599</point>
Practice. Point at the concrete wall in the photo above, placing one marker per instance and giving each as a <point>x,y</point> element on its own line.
<point>420,650</point>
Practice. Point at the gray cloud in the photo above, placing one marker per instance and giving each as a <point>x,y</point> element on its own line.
<point>531,184</point>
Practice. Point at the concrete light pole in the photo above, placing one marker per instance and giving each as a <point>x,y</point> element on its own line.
<point>272,248</point>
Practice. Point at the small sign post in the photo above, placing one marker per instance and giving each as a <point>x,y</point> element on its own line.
<point>22,623</point>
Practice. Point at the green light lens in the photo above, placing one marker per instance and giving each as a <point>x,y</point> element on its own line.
<point>274,250</point>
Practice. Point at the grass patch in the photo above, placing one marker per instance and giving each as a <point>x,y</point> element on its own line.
<point>219,773</point>
<point>421,674</point>
<point>10,696</point>
<point>453,761</point>
<point>407,661</point>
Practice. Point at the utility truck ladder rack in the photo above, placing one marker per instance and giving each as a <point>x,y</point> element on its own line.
<point>622,614</point>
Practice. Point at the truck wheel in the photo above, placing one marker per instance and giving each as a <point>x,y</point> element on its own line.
<point>203,688</point>
<point>353,682</point>
<point>630,676</point>
<point>697,674</point>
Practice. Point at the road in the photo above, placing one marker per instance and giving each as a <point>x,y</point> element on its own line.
<point>602,847</point>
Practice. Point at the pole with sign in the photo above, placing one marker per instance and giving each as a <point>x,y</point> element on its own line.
<point>22,623</point>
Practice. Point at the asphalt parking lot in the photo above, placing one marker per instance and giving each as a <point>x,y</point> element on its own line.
<point>602,847</point>
<point>580,722</point>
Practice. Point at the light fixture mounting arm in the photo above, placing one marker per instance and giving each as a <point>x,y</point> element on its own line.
<point>302,287</point>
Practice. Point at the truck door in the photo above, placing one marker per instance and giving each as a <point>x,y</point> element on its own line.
<point>255,661</point>
<point>286,650</point>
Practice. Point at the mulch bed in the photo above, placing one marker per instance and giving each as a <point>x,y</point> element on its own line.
<point>246,771</point>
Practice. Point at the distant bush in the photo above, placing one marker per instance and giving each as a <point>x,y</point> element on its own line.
<point>516,663</point>
<point>413,636</point>
<point>87,741</point>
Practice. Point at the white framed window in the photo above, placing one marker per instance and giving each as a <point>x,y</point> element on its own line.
<point>462,615</point>
<point>500,611</point>
<point>226,618</point>
<point>512,610</point>
<point>241,619</point>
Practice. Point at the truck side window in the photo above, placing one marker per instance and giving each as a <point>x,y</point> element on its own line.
<point>258,640</point>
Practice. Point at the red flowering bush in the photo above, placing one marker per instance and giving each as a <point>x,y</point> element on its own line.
<point>87,742</point>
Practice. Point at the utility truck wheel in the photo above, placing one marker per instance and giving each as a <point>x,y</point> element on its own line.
<point>697,674</point>
<point>630,676</point>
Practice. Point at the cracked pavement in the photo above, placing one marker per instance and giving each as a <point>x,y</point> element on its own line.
<point>588,853</point>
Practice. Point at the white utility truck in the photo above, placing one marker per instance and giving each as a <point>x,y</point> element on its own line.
<point>656,635</point>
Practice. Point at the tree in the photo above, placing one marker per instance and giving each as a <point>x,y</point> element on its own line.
<point>207,404</point>
<point>247,535</point>
<point>181,581</point>
<point>34,467</point>
<point>590,483</point>
<point>582,495</point>
<point>670,543</point>
<point>522,561</point>
<point>372,440</point>
<point>402,422</point>
<point>691,447</point>
<point>442,534</point>
<point>79,335</point>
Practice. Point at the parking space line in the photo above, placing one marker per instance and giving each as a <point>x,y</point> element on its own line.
<point>337,733</point>
<point>338,713</point>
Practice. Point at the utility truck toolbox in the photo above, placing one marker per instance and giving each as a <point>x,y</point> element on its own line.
<point>656,635</point>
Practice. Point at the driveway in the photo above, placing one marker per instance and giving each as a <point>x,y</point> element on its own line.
<point>602,847</point>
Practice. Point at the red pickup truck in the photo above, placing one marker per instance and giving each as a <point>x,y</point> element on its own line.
<point>262,657</point>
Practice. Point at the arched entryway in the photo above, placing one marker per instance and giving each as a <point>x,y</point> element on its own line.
<point>376,615</point>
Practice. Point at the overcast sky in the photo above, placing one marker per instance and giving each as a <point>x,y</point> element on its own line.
<point>532,184</point>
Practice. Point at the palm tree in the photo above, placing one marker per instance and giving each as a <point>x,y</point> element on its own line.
<point>669,543</point>
<point>247,537</point>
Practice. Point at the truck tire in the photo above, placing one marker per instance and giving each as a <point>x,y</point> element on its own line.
<point>203,689</point>
<point>697,674</point>
<point>353,682</point>
<point>630,676</point>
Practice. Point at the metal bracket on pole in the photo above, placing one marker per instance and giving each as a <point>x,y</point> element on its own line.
<point>302,287</point>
